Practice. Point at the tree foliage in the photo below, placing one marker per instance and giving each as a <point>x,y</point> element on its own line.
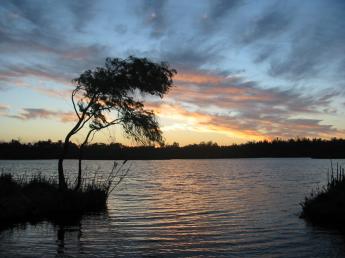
<point>113,88</point>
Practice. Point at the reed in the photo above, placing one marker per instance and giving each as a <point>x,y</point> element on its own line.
<point>326,205</point>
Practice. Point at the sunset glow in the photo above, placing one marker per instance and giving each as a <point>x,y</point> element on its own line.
<point>232,85</point>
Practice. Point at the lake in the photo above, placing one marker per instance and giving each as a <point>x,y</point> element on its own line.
<point>183,208</point>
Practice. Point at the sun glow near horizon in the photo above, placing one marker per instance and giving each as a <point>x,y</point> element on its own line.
<point>232,85</point>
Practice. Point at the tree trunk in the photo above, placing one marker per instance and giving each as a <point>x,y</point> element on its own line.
<point>81,148</point>
<point>79,168</point>
<point>75,129</point>
<point>62,181</point>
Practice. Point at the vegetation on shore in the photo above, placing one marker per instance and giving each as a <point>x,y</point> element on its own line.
<point>40,198</point>
<point>326,205</point>
<point>31,199</point>
<point>314,148</point>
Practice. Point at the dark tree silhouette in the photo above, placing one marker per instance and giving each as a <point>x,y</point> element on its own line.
<point>105,96</point>
<point>300,147</point>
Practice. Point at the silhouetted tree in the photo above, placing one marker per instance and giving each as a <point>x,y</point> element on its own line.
<point>105,96</point>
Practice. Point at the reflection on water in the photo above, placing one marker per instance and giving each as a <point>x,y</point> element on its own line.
<point>71,232</point>
<point>240,208</point>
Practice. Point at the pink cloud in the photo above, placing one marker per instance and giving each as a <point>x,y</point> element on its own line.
<point>35,113</point>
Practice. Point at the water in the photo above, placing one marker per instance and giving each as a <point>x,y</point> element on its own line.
<point>180,208</point>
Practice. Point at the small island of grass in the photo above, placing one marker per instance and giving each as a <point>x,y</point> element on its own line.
<point>38,198</point>
<point>326,206</point>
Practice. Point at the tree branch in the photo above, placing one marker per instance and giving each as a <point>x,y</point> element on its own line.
<point>82,125</point>
<point>87,137</point>
<point>75,109</point>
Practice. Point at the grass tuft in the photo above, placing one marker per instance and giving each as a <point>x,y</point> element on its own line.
<point>35,198</point>
<point>326,205</point>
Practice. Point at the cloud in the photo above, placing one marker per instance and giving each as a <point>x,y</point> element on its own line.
<point>3,109</point>
<point>188,57</point>
<point>234,92</point>
<point>14,72</point>
<point>35,41</point>
<point>234,106</point>
<point>298,41</point>
<point>220,8</point>
<point>245,128</point>
<point>45,89</point>
<point>293,43</point>
<point>189,54</point>
<point>41,13</point>
<point>196,77</point>
<point>218,11</point>
<point>83,12</point>
<point>53,92</point>
<point>269,25</point>
<point>35,113</point>
<point>154,16</point>
<point>121,29</point>
<point>272,127</point>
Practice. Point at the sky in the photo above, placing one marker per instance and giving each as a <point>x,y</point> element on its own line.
<point>247,70</point>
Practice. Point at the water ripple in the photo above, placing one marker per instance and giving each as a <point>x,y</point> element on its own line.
<point>183,208</point>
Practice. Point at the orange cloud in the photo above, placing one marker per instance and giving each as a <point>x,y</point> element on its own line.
<point>177,118</point>
<point>197,78</point>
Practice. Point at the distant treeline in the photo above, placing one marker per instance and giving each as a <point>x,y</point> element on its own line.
<point>314,148</point>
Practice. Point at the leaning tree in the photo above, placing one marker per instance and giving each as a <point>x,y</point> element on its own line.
<point>107,96</point>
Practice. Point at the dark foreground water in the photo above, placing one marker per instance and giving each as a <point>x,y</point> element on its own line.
<point>200,208</point>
